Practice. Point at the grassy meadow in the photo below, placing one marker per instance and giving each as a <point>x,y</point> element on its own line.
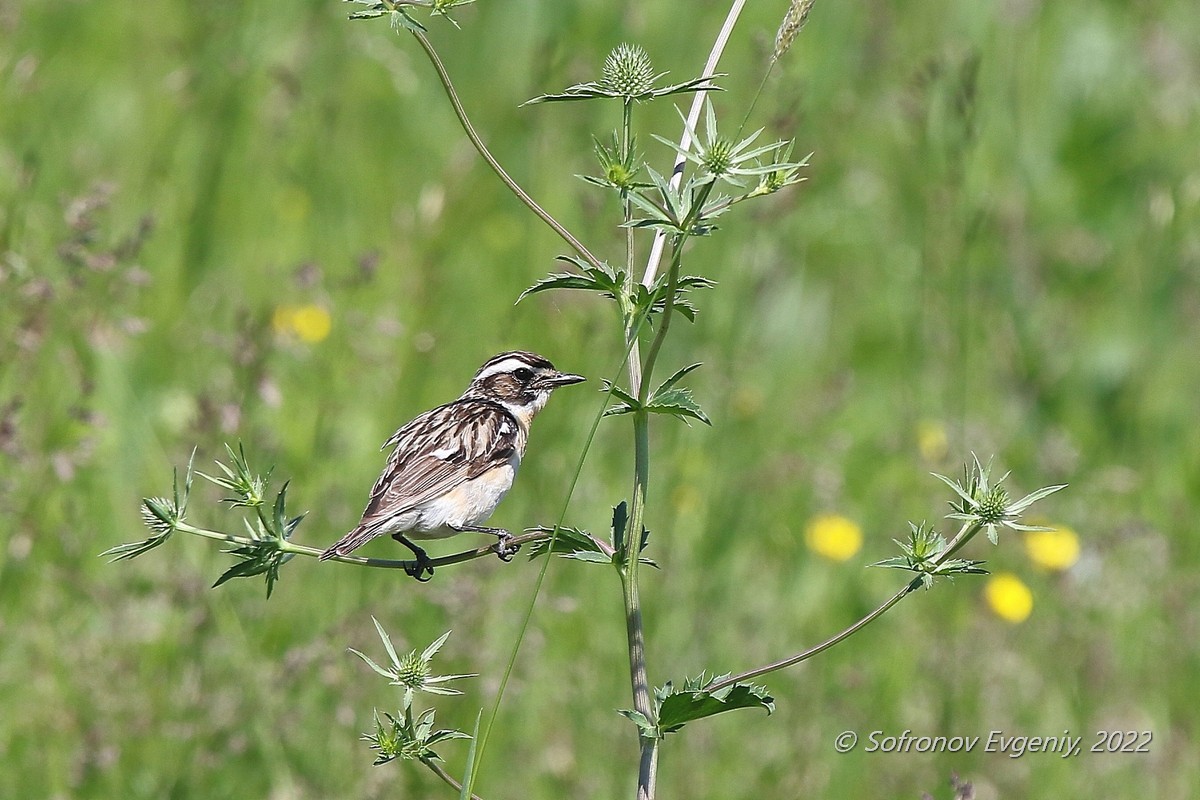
<point>260,222</point>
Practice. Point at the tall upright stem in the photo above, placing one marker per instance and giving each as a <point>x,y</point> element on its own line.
<point>648,761</point>
<point>640,684</point>
<point>631,331</point>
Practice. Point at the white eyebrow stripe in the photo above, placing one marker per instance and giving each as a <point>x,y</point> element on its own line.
<point>507,365</point>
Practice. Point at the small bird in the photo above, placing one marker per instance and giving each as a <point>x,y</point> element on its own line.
<point>452,465</point>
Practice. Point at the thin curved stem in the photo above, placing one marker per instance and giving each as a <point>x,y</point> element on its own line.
<point>487,156</point>
<point>362,561</point>
<point>446,776</point>
<point>791,661</point>
<point>965,534</point>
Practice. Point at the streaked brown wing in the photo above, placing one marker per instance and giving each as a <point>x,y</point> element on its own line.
<point>439,450</point>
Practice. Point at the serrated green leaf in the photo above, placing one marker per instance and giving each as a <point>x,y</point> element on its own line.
<point>589,556</point>
<point>620,518</point>
<point>626,402</point>
<point>242,569</point>
<point>567,541</point>
<point>387,642</point>
<point>580,91</point>
<point>560,280</point>
<point>676,709</point>
<point>279,515</point>
<point>371,663</point>
<point>958,566</point>
<point>367,13</point>
<point>648,728</point>
<point>896,562</point>
<point>677,402</point>
<point>619,393</point>
<point>604,280</point>
<point>129,550</point>
<point>663,214</point>
<point>676,378</point>
<point>182,501</point>
<point>432,650</point>
<point>594,90</point>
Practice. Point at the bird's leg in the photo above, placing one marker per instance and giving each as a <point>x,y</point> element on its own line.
<point>504,546</point>
<point>421,565</point>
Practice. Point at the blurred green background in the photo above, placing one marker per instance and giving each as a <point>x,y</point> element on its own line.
<point>997,250</point>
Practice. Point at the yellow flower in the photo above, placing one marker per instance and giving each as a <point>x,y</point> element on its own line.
<point>1009,597</point>
<point>932,441</point>
<point>1056,550</point>
<point>309,323</point>
<point>833,536</point>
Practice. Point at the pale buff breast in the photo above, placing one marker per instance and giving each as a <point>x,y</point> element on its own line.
<point>470,503</point>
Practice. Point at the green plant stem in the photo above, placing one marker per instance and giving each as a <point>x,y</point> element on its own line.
<point>626,205</point>
<point>965,534</point>
<point>634,630</point>
<point>631,341</point>
<point>382,563</point>
<point>664,325</point>
<point>447,777</point>
<point>487,156</point>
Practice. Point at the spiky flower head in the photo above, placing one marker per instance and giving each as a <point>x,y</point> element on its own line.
<point>628,71</point>
<point>159,515</point>
<point>720,157</point>
<point>992,505</point>
<point>984,502</point>
<point>923,554</point>
<point>413,671</point>
<point>408,737</point>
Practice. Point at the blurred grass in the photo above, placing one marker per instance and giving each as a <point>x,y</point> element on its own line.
<point>1000,234</point>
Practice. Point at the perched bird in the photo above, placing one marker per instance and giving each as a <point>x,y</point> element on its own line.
<point>453,465</point>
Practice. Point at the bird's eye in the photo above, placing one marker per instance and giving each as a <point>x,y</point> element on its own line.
<point>523,374</point>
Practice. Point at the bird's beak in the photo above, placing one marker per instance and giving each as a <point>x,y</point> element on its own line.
<point>556,379</point>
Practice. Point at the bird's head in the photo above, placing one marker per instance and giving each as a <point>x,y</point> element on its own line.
<point>520,381</point>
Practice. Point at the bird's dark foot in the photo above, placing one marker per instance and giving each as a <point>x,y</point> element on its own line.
<point>505,547</point>
<point>422,567</point>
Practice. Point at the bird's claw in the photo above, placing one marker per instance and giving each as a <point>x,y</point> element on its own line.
<point>421,565</point>
<point>506,548</point>
<point>421,568</point>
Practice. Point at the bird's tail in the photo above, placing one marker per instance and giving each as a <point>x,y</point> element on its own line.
<point>350,542</point>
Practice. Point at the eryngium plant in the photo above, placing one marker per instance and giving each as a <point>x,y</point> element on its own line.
<point>711,174</point>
